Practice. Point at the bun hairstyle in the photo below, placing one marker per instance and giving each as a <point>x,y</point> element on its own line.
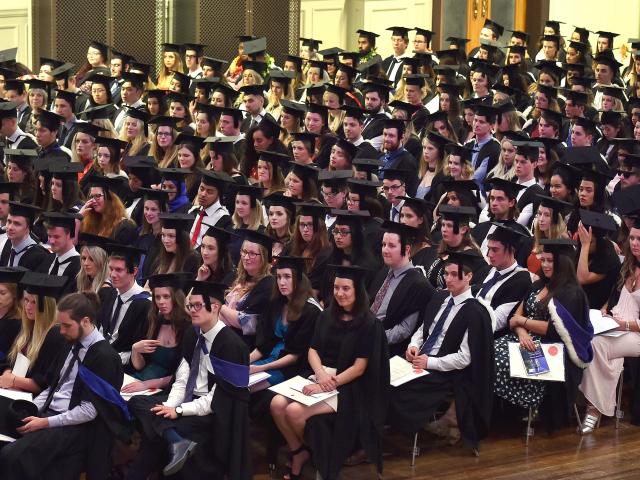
<point>80,305</point>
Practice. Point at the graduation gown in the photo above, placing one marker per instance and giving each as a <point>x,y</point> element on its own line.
<point>70,272</point>
<point>425,257</point>
<point>297,338</point>
<point>603,261</point>
<point>374,126</point>
<point>411,295</point>
<point>362,403</point>
<point>134,323</point>
<point>366,150</point>
<point>9,329</point>
<point>490,149</point>
<point>413,404</point>
<point>94,443</point>
<point>405,161</point>
<point>31,259</point>
<point>327,141</point>
<point>525,245</point>
<point>215,458</point>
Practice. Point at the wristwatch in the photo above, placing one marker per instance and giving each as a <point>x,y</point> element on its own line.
<point>179,411</point>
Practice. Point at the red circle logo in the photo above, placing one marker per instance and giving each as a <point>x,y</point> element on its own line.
<point>553,350</point>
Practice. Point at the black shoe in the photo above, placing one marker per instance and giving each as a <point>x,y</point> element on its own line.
<point>180,453</point>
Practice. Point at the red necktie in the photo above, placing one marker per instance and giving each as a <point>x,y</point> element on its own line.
<point>196,231</point>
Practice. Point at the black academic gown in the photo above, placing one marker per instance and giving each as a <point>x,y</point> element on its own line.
<point>366,150</point>
<point>297,338</point>
<point>512,289</point>
<point>375,126</point>
<point>35,455</point>
<point>414,403</point>
<point>70,272</point>
<point>31,259</point>
<point>327,141</point>
<point>525,244</point>
<point>361,404</point>
<point>406,161</point>
<point>490,149</point>
<point>9,329</point>
<point>603,261</point>
<point>410,296</point>
<point>134,323</point>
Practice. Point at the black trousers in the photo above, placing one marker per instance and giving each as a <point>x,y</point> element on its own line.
<point>52,453</point>
<point>153,449</point>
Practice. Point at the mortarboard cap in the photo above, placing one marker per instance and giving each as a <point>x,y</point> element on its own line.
<point>254,236</point>
<point>255,46</point>
<point>101,47</point>
<point>62,219</point>
<point>43,285</point>
<point>179,222</point>
<point>510,188</point>
<point>462,258</point>
<point>24,210</point>
<point>495,27</point>
<point>210,290</point>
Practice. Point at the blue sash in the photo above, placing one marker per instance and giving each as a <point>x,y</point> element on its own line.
<point>103,389</point>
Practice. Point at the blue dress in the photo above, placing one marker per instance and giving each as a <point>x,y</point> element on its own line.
<point>276,375</point>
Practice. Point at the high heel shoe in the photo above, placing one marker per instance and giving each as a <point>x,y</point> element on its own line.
<point>296,476</point>
<point>589,424</point>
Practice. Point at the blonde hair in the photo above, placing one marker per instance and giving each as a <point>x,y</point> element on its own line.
<point>255,221</point>
<point>138,142</point>
<point>100,258</point>
<point>169,158</point>
<point>467,169</point>
<point>244,282</point>
<point>556,230</point>
<point>33,333</point>
<point>74,155</point>
<point>165,76</point>
<point>501,170</point>
<point>110,131</point>
<point>335,121</point>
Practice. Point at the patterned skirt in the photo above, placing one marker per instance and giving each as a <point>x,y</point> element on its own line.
<point>518,391</point>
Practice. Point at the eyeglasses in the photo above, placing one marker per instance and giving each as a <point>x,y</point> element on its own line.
<point>196,307</point>
<point>329,194</point>
<point>341,232</point>
<point>625,173</point>
<point>96,196</point>
<point>163,134</point>
<point>392,188</point>
<point>249,255</point>
<point>303,226</point>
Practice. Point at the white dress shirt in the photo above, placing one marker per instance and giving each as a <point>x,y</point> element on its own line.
<point>213,214</point>
<point>453,361</point>
<point>62,260</point>
<point>502,311</point>
<point>527,210</point>
<point>126,301</point>
<point>200,406</point>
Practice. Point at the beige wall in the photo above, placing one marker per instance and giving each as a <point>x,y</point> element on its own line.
<point>335,21</point>
<point>619,16</point>
<point>15,30</point>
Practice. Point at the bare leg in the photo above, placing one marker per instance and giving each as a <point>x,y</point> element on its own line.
<point>278,407</point>
<point>297,416</point>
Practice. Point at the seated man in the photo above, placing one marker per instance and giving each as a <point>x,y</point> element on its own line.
<point>506,283</point>
<point>400,291</point>
<point>75,422</point>
<point>455,344</point>
<point>214,368</point>
<point>123,307</point>
<point>503,209</point>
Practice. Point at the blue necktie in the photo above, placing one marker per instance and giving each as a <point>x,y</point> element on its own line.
<point>487,286</point>
<point>437,330</point>
<point>194,368</point>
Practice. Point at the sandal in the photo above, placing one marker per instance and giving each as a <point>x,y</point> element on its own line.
<point>295,476</point>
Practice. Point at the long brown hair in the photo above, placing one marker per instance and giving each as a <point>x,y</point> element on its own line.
<point>166,260</point>
<point>319,241</point>
<point>178,317</point>
<point>103,223</point>
<point>630,263</point>
<point>301,292</point>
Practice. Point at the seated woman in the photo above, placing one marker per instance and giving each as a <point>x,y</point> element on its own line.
<point>350,247</point>
<point>155,359</point>
<point>104,214</point>
<point>281,214</point>
<point>19,170</point>
<point>432,165</point>
<point>134,132</point>
<point>283,337</point>
<point>163,147</point>
<point>189,158</point>
<point>555,310</point>
<point>302,182</point>
<point>39,342</point>
<point>311,240</point>
<point>177,253</point>
<point>601,376</point>
<point>245,301</point>
<point>247,215</point>
<point>414,213</point>
<point>548,223</point>
<point>10,310</point>
<point>154,204</point>
<point>222,158</point>
<point>345,355</point>
<point>456,237</point>
<point>94,263</point>
<point>270,171</point>
<point>173,182</point>
<point>216,262</point>
<point>108,155</point>
<point>598,261</point>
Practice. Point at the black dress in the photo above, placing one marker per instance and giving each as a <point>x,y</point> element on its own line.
<point>53,343</point>
<point>361,403</point>
<point>603,261</point>
<point>9,329</point>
